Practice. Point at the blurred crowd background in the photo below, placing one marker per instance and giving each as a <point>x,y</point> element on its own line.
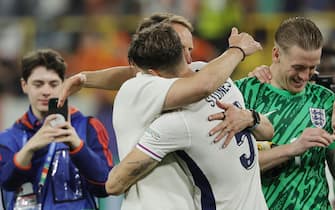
<point>94,34</point>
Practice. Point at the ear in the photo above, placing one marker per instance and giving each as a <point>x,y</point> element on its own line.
<point>24,85</point>
<point>154,72</point>
<point>275,55</point>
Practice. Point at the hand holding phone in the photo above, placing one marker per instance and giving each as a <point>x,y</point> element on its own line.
<point>59,120</point>
<point>62,112</point>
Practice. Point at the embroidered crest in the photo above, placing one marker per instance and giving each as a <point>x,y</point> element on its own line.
<point>318,117</point>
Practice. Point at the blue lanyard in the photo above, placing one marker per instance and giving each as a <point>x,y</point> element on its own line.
<point>46,165</point>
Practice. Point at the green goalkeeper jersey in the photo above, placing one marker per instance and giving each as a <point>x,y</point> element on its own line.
<point>300,183</point>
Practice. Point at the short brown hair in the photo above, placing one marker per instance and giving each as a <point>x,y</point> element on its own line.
<point>298,31</point>
<point>48,58</point>
<point>164,17</point>
<point>156,47</point>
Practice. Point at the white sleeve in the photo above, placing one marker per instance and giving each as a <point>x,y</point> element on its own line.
<point>166,134</point>
<point>152,95</point>
<point>197,65</point>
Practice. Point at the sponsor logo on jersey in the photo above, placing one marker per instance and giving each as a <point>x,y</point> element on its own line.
<point>318,117</point>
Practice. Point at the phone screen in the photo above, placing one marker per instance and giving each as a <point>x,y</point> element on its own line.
<point>53,109</point>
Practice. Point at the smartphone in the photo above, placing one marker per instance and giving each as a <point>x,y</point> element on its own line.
<point>53,109</point>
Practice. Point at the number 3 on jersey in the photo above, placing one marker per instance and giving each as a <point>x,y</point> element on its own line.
<point>247,160</point>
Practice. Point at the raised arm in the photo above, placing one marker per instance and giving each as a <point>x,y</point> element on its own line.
<point>110,79</point>
<point>198,86</point>
<point>185,90</point>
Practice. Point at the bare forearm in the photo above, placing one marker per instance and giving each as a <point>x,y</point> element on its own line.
<point>198,86</point>
<point>264,131</point>
<point>24,157</point>
<point>216,72</point>
<point>135,165</point>
<point>110,79</point>
<point>273,157</point>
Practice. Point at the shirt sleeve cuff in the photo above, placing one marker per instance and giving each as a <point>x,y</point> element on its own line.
<point>23,168</point>
<point>77,149</point>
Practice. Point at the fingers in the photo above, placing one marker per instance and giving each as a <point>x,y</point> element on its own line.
<point>50,118</point>
<point>220,115</point>
<point>61,98</point>
<point>258,45</point>
<point>312,137</point>
<point>70,86</point>
<point>223,129</point>
<point>234,31</point>
<point>64,93</point>
<point>251,74</point>
<point>262,73</point>
<point>227,133</point>
<point>327,138</point>
<point>261,77</point>
<point>322,137</point>
<point>228,139</point>
<point>217,128</point>
<point>265,73</point>
<point>222,105</point>
<point>264,76</point>
<point>216,116</point>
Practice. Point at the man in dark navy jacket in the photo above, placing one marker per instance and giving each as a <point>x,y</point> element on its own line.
<point>61,166</point>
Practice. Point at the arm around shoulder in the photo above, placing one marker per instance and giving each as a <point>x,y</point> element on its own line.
<point>192,89</point>
<point>110,79</point>
<point>132,168</point>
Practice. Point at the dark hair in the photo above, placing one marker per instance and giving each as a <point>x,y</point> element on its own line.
<point>298,31</point>
<point>48,58</point>
<point>164,17</point>
<point>157,47</point>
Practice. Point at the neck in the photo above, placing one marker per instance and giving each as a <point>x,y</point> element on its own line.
<point>186,73</point>
<point>273,71</point>
<point>39,115</point>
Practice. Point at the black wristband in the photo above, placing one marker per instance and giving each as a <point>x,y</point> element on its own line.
<point>237,47</point>
<point>257,119</point>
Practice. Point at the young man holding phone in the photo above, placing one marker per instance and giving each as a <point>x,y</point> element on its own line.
<point>48,157</point>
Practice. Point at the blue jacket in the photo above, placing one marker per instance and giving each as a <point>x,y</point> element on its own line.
<point>74,177</point>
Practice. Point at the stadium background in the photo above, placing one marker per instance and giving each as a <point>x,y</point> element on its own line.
<point>94,34</point>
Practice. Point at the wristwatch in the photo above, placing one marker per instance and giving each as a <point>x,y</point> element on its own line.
<point>257,119</point>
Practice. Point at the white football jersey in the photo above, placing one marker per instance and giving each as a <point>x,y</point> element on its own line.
<point>226,178</point>
<point>139,101</point>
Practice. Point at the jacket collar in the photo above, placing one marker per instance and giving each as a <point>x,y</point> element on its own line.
<point>30,121</point>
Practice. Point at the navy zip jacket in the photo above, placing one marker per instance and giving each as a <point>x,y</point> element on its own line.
<point>75,177</point>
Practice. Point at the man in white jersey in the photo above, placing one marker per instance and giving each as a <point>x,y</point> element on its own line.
<point>180,92</point>
<point>211,184</point>
<point>212,75</point>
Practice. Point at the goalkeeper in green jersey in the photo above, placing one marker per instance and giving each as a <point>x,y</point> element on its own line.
<point>293,171</point>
